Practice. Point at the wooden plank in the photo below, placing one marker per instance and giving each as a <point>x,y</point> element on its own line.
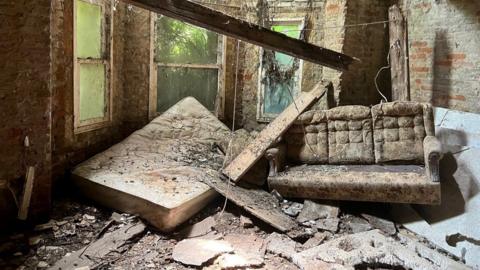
<point>398,52</point>
<point>258,202</point>
<point>91,256</point>
<point>256,149</point>
<point>227,25</point>
<point>27,194</point>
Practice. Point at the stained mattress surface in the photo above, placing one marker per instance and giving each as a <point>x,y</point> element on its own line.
<point>165,162</point>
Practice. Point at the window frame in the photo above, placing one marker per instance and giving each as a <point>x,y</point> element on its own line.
<point>81,126</point>
<point>268,117</point>
<point>220,66</point>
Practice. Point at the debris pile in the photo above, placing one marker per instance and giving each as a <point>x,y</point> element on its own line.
<point>260,230</point>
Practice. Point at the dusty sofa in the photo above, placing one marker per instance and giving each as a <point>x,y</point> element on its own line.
<point>385,153</point>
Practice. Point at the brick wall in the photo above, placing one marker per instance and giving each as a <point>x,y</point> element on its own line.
<point>136,69</point>
<point>370,45</point>
<point>444,38</point>
<point>367,43</point>
<point>25,99</point>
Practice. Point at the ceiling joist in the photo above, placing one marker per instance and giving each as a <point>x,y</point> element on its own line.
<point>227,25</point>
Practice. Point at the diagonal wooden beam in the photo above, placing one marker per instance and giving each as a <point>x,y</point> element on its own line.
<point>227,25</point>
<point>256,149</point>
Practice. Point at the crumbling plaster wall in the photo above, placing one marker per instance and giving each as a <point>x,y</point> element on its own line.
<point>25,102</point>
<point>444,52</point>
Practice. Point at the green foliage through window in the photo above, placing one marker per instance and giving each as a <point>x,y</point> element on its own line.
<point>180,43</point>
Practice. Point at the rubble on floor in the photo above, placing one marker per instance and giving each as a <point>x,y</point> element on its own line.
<point>216,239</point>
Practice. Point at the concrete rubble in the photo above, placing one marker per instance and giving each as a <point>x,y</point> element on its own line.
<point>369,249</point>
<point>199,251</point>
<point>260,230</point>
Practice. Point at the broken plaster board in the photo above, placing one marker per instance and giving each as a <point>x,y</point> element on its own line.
<point>457,128</point>
<point>458,212</point>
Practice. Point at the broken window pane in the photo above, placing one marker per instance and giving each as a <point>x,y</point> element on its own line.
<point>292,31</point>
<point>280,82</point>
<point>180,43</point>
<point>88,30</point>
<point>176,83</point>
<point>92,91</point>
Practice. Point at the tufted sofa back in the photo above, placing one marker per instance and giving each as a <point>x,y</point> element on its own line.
<point>387,133</point>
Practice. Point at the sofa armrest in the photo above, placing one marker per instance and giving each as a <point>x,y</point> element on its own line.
<point>432,149</point>
<point>276,158</point>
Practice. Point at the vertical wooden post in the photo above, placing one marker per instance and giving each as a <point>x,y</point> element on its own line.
<point>27,194</point>
<point>398,55</point>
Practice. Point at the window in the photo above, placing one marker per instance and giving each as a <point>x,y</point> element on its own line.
<point>279,74</point>
<point>92,49</point>
<point>187,62</point>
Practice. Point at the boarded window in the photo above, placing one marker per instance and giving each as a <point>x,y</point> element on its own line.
<point>92,64</point>
<point>279,82</point>
<point>189,63</point>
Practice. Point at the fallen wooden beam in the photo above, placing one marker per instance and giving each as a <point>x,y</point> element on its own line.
<point>27,194</point>
<point>256,149</point>
<point>221,23</point>
<point>258,202</point>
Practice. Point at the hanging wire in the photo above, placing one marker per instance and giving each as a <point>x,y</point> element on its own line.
<point>229,151</point>
<point>388,66</point>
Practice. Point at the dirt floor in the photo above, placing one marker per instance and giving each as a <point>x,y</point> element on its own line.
<point>77,223</point>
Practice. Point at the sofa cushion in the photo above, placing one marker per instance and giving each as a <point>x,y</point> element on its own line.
<point>399,129</point>
<point>307,139</point>
<point>350,135</point>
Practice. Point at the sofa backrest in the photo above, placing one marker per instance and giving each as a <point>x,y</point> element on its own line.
<point>307,140</point>
<point>387,133</point>
<point>350,135</point>
<point>399,129</point>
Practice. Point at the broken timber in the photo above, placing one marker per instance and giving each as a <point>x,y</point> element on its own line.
<point>258,202</point>
<point>90,255</point>
<point>27,194</point>
<point>255,150</point>
<point>221,23</point>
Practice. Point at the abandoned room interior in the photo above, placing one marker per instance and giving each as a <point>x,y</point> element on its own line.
<point>240,134</point>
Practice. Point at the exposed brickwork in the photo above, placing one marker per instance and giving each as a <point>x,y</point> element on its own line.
<point>444,53</point>
<point>369,44</point>
<point>136,69</point>
<point>25,97</point>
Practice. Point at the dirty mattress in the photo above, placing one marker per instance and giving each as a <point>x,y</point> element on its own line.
<point>157,172</point>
